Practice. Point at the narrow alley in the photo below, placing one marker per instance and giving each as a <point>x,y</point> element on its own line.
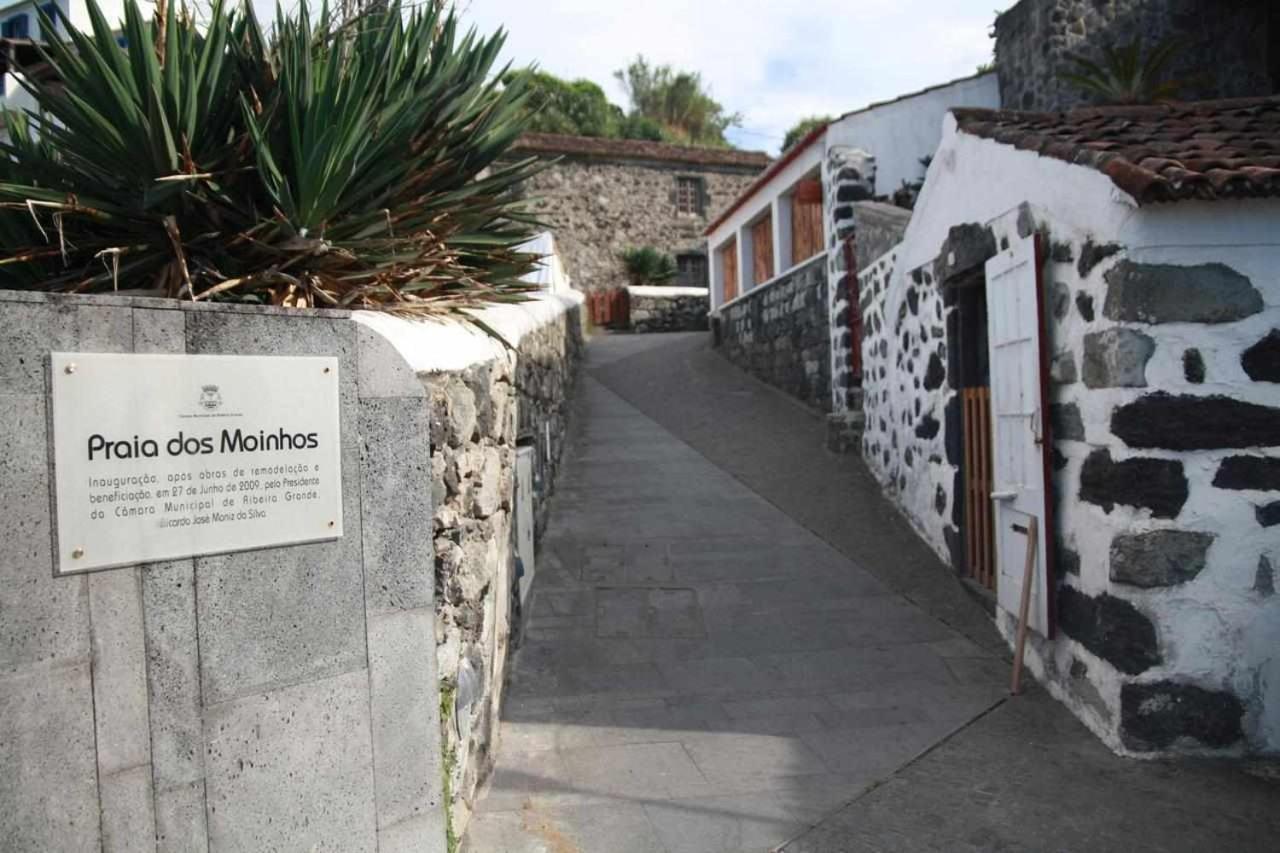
<point>735,644</point>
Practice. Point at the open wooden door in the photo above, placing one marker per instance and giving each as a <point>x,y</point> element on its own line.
<point>1021,442</point>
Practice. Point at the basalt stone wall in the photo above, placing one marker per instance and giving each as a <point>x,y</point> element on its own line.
<point>600,207</point>
<point>282,698</point>
<point>666,309</point>
<point>1165,421</point>
<point>479,416</point>
<point>1232,48</point>
<point>779,333</point>
<point>849,179</point>
<point>907,399</point>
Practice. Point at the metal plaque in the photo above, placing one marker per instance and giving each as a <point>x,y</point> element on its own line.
<point>164,456</point>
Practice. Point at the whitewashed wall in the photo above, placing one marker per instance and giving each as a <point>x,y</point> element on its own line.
<point>900,132</point>
<point>1185,657</point>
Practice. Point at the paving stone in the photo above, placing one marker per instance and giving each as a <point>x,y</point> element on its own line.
<point>618,828</point>
<point>660,612</point>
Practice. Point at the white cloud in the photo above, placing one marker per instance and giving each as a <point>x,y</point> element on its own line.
<point>773,62</point>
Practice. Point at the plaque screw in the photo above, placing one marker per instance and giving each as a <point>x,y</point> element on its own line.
<point>70,368</point>
<point>331,524</point>
<point>326,370</point>
<point>77,553</point>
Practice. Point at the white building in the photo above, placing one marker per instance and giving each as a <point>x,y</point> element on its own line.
<point>20,26</point>
<point>1081,326</point>
<point>898,135</point>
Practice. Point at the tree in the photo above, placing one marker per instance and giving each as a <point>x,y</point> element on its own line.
<point>677,102</point>
<point>802,128</point>
<point>1125,77</point>
<point>576,107</point>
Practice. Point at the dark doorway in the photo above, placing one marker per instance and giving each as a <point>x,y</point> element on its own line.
<point>968,355</point>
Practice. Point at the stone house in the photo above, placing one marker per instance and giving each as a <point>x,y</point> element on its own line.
<point>782,254</point>
<point>1081,327</point>
<point>1231,49</point>
<point>604,196</point>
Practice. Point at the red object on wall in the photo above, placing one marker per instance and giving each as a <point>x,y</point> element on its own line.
<point>850,284</point>
<point>609,308</point>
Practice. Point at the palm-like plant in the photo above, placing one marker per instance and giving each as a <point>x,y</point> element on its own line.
<point>648,266</point>
<point>347,164</point>
<point>1124,76</point>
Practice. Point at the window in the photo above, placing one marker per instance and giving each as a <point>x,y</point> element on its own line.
<point>692,270</point>
<point>17,27</point>
<point>689,196</point>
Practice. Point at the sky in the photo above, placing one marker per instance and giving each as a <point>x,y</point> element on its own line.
<point>773,62</point>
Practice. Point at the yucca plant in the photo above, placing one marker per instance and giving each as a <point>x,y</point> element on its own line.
<point>648,266</point>
<point>1124,76</point>
<point>337,163</point>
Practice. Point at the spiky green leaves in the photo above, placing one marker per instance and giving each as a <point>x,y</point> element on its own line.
<point>353,163</point>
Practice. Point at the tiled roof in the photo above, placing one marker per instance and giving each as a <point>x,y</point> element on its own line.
<point>638,149</point>
<point>1163,152</point>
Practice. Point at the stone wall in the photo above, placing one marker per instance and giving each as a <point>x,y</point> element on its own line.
<point>1166,451</point>
<point>485,399</point>
<point>283,698</point>
<point>668,309</point>
<point>779,333</point>
<point>1233,48</point>
<point>600,207</point>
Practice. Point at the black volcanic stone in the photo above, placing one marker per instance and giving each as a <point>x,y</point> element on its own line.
<point>1158,558</point>
<point>1155,715</point>
<point>957,501</point>
<point>1059,459</point>
<point>935,373</point>
<point>1257,473</point>
<point>968,245</point>
<point>1065,560</point>
<point>1262,360</point>
<point>955,546</point>
<point>940,500</point>
<point>1188,422</point>
<point>1268,514</point>
<point>1084,304</point>
<point>927,427</point>
<point>1111,628</point>
<point>1066,422</point>
<point>1193,366</point>
<point>913,301</point>
<point>1156,484</point>
<point>1165,293</point>
<point>1092,254</point>
<point>1264,579</point>
<point>954,437</point>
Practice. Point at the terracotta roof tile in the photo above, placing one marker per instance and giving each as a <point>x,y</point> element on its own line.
<point>1162,152</point>
<point>638,149</point>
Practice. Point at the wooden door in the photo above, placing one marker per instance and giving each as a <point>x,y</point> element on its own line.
<point>979,547</point>
<point>729,263</point>
<point>806,221</point>
<point>1020,461</point>
<point>762,251</point>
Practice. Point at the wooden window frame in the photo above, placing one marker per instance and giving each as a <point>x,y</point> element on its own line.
<point>699,263</point>
<point>688,194</point>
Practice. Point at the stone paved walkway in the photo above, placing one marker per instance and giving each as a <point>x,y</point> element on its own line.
<point>702,672</point>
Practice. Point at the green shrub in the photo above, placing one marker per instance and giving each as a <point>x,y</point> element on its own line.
<point>336,163</point>
<point>648,266</point>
